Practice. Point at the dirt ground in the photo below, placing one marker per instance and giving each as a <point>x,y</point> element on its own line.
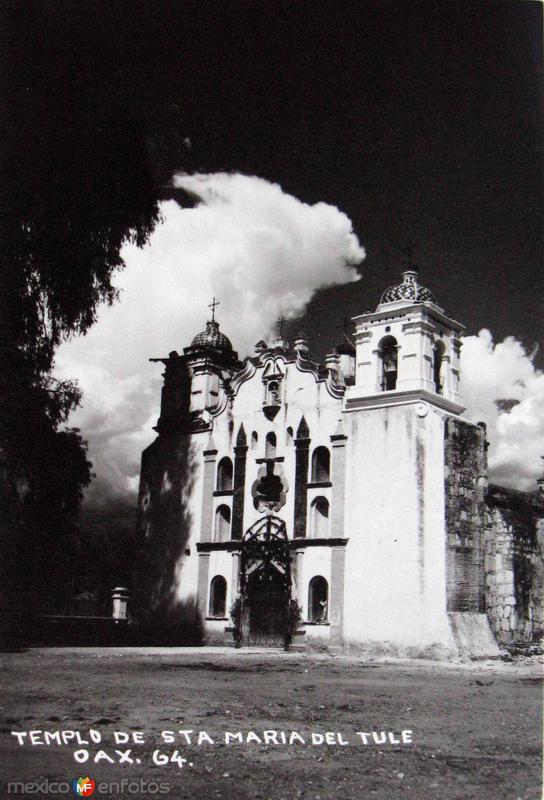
<point>476,729</point>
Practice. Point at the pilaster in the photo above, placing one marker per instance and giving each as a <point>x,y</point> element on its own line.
<point>240,455</point>
<point>203,582</point>
<point>336,601</point>
<point>210,457</point>
<point>302,446</point>
<point>338,492</point>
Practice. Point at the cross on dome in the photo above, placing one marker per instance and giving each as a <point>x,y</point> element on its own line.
<point>213,305</point>
<point>212,338</point>
<point>409,251</point>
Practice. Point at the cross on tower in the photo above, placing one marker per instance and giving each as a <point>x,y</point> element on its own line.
<point>281,322</point>
<point>409,252</point>
<point>344,326</point>
<point>213,305</point>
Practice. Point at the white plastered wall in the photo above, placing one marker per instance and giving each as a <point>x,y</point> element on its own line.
<point>395,560</point>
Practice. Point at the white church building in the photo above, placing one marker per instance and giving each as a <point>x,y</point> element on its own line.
<point>355,487</point>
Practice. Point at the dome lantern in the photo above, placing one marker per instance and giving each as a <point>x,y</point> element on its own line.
<point>212,338</point>
<point>409,290</point>
<point>210,346</point>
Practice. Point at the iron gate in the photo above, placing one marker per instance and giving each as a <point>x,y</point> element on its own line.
<point>265,582</point>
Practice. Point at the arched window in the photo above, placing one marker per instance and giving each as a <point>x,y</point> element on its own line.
<point>289,436</point>
<point>438,357</point>
<point>224,475</point>
<point>318,599</point>
<point>320,518</point>
<point>321,465</point>
<point>222,524</point>
<point>387,352</point>
<point>218,597</point>
<point>270,447</point>
<point>254,439</point>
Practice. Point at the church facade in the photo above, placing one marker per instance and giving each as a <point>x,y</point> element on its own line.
<point>355,488</point>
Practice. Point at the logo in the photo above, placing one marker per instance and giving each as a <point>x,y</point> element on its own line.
<point>83,787</point>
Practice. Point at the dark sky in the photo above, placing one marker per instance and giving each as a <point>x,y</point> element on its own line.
<point>419,120</point>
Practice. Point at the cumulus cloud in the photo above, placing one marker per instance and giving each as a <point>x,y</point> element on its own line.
<point>502,388</point>
<point>263,253</point>
<point>259,250</point>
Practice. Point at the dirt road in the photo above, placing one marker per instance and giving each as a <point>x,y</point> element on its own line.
<point>451,732</point>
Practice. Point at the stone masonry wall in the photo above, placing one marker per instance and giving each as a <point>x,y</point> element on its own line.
<point>514,565</point>
<point>465,486</point>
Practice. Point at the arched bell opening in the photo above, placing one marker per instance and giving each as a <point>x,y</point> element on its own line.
<point>388,359</point>
<point>438,361</point>
<point>273,396</point>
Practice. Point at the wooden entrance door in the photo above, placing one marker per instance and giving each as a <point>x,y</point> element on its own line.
<point>265,582</point>
<point>266,608</point>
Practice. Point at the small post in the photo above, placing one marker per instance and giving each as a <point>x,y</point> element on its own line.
<point>120,602</point>
<point>540,481</point>
<point>301,345</point>
<point>332,362</point>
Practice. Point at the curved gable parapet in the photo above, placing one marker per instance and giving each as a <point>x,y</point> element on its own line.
<point>221,405</point>
<point>305,364</point>
<point>226,393</point>
<point>272,364</point>
<point>334,386</point>
<point>249,368</point>
<point>268,359</point>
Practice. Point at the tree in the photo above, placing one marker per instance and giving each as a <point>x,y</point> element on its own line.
<point>76,187</point>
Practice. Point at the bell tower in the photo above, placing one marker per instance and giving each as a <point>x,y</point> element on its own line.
<point>407,351</point>
<point>403,422</point>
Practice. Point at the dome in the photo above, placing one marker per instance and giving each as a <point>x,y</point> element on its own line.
<point>409,290</point>
<point>212,338</point>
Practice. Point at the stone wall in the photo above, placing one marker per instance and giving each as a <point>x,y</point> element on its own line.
<point>514,564</point>
<point>465,486</point>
